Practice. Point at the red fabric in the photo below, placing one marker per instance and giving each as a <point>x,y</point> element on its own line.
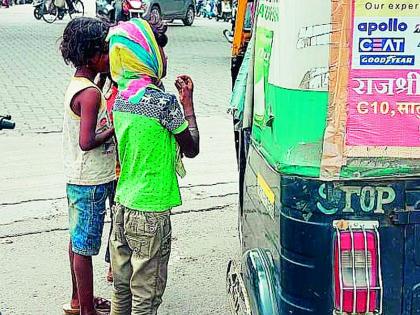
<point>109,106</point>
<point>110,102</point>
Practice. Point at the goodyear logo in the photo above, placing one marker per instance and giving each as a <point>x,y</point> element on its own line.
<point>389,60</point>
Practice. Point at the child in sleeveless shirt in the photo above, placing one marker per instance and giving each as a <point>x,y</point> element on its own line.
<point>89,157</point>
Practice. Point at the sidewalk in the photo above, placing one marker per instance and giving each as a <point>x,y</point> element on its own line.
<point>32,181</point>
<point>33,212</point>
<point>35,279</point>
<point>33,227</point>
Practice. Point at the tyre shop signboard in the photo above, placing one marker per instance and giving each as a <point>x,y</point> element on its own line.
<point>384,83</point>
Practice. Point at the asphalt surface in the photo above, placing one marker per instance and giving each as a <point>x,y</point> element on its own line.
<point>34,274</point>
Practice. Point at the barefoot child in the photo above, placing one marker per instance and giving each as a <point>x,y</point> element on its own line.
<point>89,156</point>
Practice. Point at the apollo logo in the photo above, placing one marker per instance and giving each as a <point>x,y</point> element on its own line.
<point>392,25</point>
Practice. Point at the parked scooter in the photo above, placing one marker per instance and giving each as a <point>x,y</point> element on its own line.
<point>6,122</point>
<point>50,10</point>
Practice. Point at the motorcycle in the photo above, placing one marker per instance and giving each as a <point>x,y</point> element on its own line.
<point>6,122</point>
<point>115,11</point>
<point>133,8</point>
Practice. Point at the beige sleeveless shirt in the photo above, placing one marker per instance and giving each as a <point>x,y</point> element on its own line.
<point>93,167</point>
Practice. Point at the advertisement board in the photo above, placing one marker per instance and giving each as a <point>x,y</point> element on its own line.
<point>383,107</point>
<point>337,87</point>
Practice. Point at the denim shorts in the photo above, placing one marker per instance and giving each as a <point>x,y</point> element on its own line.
<point>87,209</point>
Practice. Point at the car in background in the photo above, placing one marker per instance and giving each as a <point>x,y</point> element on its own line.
<point>169,10</point>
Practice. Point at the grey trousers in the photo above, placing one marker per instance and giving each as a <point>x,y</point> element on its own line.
<point>140,246</point>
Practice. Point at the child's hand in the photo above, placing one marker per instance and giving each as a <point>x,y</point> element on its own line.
<point>185,87</point>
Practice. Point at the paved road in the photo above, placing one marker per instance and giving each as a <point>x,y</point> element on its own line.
<point>33,221</point>
<point>34,77</point>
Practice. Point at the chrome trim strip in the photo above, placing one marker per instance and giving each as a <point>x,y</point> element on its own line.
<point>356,225</point>
<point>340,273</point>
<point>381,293</point>
<point>367,275</point>
<point>353,269</point>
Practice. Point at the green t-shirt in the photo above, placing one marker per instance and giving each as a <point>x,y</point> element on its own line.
<point>147,151</point>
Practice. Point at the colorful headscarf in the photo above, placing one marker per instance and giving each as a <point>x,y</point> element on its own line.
<point>135,59</point>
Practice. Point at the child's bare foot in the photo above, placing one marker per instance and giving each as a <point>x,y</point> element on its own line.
<point>68,309</point>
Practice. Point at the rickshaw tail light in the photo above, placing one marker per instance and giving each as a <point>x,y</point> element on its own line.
<point>356,271</point>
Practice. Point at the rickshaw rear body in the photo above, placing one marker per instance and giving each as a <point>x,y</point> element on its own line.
<point>295,241</point>
<point>329,159</point>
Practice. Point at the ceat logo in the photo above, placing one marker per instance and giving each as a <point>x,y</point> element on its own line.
<point>381,45</point>
<point>392,25</point>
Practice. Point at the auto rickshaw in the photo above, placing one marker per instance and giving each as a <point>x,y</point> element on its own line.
<point>326,106</point>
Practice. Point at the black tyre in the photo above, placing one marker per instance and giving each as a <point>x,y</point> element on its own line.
<point>189,16</point>
<point>229,36</point>
<point>50,12</point>
<point>79,9</point>
<point>37,13</point>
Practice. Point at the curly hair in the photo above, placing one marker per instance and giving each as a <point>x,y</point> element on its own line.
<point>82,39</point>
<point>159,28</point>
